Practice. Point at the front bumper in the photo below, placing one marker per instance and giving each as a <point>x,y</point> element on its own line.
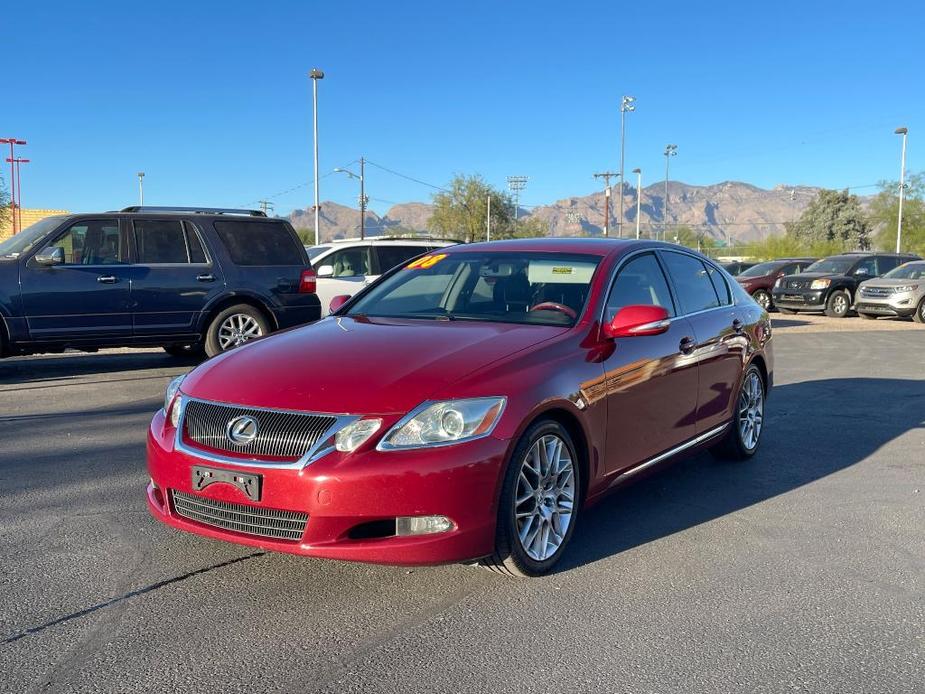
<point>799,299</point>
<point>341,492</point>
<point>894,305</point>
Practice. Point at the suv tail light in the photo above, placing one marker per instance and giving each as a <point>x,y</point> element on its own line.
<point>308,283</point>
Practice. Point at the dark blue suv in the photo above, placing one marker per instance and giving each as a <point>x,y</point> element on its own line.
<point>185,279</point>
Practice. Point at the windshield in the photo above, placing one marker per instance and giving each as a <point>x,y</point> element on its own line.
<point>24,241</point>
<point>760,270</point>
<point>534,288</point>
<point>315,251</point>
<point>838,264</point>
<point>909,271</point>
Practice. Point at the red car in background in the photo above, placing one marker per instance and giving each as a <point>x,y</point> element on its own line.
<point>468,405</point>
<point>758,280</point>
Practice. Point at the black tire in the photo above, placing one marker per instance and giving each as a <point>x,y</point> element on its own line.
<point>838,304</point>
<point>919,315</point>
<point>786,311</point>
<point>510,558</point>
<point>215,341</point>
<point>733,445</point>
<point>185,350</point>
<point>763,299</point>
<point>867,316</point>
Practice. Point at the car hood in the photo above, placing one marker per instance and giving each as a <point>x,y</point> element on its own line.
<point>361,366</point>
<point>882,282</point>
<point>749,280</point>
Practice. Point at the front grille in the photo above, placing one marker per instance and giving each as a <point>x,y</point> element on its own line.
<point>280,435</point>
<point>795,284</point>
<point>252,520</point>
<point>876,292</point>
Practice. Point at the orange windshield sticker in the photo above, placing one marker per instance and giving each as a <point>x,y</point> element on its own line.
<point>425,262</point>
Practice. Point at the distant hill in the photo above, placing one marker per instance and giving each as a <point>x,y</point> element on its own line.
<point>730,212</point>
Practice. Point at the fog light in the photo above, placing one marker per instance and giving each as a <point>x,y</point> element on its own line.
<point>422,525</point>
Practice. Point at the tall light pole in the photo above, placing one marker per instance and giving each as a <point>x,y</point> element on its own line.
<point>316,75</point>
<point>17,212</point>
<point>362,199</point>
<point>488,221</point>
<point>141,188</point>
<point>627,105</point>
<point>638,173</point>
<point>670,151</point>
<point>12,142</point>
<point>515,184</point>
<point>902,185</point>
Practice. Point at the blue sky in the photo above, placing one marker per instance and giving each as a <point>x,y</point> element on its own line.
<point>212,101</point>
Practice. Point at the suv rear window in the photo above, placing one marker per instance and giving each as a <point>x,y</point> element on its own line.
<point>260,243</point>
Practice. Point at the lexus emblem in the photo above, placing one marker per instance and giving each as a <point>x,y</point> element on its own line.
<point>241,430</point>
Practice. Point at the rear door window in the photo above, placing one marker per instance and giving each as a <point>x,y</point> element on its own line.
<point>161,242</point>
<point>259,243</point>
<point>390,256</point>
<point>691,282</point>
<point>719,284</point>
<point>887,263</point>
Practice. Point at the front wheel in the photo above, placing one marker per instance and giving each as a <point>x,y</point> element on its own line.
<point>539,502</point>
<point>919,315</point>
<point>744,435</point>
<point>838,304</point>
<point>763,299</point>
<point>234,326</point>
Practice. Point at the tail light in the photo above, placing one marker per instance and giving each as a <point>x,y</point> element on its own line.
<point>308,283</point>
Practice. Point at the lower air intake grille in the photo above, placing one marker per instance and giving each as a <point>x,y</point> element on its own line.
<point>253,520</point>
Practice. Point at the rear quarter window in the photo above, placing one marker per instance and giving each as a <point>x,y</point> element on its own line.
<point>260,243</point>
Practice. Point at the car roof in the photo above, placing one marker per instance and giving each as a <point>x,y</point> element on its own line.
<point>595,246</point>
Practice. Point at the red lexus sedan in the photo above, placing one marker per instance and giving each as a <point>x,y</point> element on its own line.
<point>467,406</point>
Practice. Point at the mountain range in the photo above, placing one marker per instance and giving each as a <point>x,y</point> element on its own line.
<point>730,212</point>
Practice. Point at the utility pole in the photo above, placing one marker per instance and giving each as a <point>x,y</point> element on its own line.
<point>627,105</point>
<point>12,142</point>
<point>141,188</point>
<point>638,173</point>
<point>670,151</point>
<point>607,175</point>
<point>488,222</point>
<point>902,186</point>
<point>316,75</point>
<point>515,184</point>
<point>363,198</point>
<point>266,206</point>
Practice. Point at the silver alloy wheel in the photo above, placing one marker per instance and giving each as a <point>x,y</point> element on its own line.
<point>763,299</point>
<point>237,329</point>
<point>751,410</point>
<point>545,497</point>
<point>922,310</point>
<point>840,304</point>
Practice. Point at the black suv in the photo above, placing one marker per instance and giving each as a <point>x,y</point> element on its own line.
<point>829,285</point>
<point>185,279</point>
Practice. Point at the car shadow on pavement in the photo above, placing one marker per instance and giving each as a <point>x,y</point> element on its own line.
<point>20,370</point>
<point>788,323</point>
<point>813,429</point>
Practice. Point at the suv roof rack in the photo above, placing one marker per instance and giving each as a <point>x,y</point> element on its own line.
<point>195,210</point>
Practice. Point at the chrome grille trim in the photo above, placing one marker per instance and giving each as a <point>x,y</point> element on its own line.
<point>877,291</point>
<point>248,456</point>
<point>251,520</point>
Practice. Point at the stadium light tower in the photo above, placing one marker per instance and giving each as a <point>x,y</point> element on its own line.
<point>316,75</point>
<point>902,186</point>
<point>627,105</point>
<point>670,151</point>
<point>515,184</point>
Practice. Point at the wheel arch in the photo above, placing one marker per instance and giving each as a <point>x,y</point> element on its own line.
<point>220,304</point>
<point>570,422</point>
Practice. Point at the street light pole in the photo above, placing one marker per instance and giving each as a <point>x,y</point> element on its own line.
<point>12,142</point>
<point>638,173</point>
<point>316,75</point>
<point>670,151</point>
<point>902,186</point>
<point>488,222</point>
<point>363,199</point>
<point>141,188</point>
<point>627,105</point>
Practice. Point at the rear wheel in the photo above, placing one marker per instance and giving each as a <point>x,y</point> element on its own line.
<point>233,327</point>
<point>539,502</point>
<point>744,435</point>
<point>919,315</point>
<point>763,299</point>
<point>838,304</point>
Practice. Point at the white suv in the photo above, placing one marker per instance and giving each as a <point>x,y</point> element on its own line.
<point>345,267</point>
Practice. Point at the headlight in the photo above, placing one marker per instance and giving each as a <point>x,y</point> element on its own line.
<point>820,284</point>
<point>443,423</point>
<point>906,288</point>
<point>171,411</point>
<point>355,435</point>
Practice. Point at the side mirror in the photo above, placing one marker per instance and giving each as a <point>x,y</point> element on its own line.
<point>638,320</point>
<point>325,271</point>
<point>52,255</point>
<point>337,302</point>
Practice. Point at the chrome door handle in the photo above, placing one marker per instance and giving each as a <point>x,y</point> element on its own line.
<point>106,279</point>
<point>205,278</point>
<point>687,345</point>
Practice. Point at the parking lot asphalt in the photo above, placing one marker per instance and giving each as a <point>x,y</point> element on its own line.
<point>801,570</point>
